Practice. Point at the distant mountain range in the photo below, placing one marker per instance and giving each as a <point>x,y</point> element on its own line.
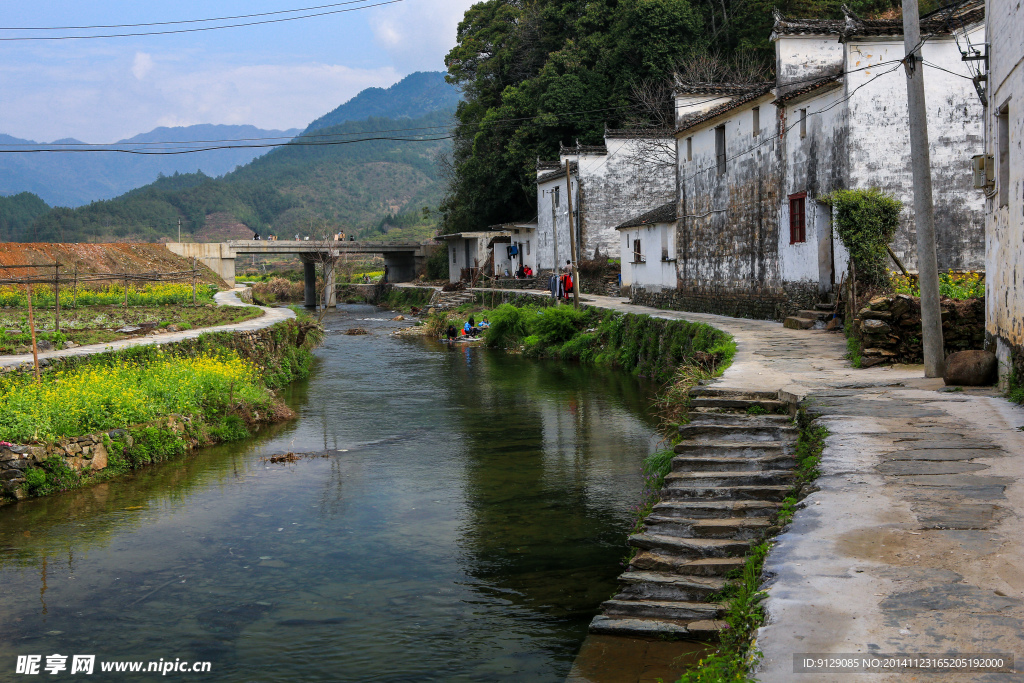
<point>368,187</point>
<point>74,179</point>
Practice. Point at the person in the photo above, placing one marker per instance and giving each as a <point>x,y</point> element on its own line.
<point>528,271</point>
<point>484,324</point>
<point>450,333</point>
<point>506,272</point>
<point>521,273</point>
<point>296,237</point>
<point>256,236</point>
<point>568,266</point>
<point>470,328</point>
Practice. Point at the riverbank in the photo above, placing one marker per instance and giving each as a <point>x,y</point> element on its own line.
<point>916,499</point>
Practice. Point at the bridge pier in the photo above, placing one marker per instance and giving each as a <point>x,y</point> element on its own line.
<point>312,297</point>
<point>401,266</point>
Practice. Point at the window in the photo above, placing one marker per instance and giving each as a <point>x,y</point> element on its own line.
<point>803,123</point>
<point>689,149</point>
<point>797,218</point>
<point>756,120</point>
<point>638,256</point>
<point>720,148</point>
<point>556,195</point>
<point>664,244</point>
<point>527,247</point>
<point>1003,164</point>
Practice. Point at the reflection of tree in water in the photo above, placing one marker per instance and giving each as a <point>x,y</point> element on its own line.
<point>547,527</point>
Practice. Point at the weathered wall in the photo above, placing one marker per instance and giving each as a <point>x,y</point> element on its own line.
<point>879,142</point>
<point>552,209</point>
<point>762,303</point>
<point>815,163</point>
<point>217,257</point>
<point>621,185</point>
<point>727,239</point>
<point>658,247</point>
<point>1004,228</point>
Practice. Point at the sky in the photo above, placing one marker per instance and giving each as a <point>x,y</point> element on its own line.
<point>275,76</point>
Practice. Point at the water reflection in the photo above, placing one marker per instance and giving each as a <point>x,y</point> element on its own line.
<point>466,517</point>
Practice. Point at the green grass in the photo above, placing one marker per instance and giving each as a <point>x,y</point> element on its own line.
<point>853,349</point>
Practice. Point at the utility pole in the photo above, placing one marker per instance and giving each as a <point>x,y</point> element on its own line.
<point>924,215</point>
<point>179,229</point>
<point>572,239</point>
<point>554,233</point>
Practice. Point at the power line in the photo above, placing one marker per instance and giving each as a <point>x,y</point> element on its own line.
<point>182,21</point>
<point>202,28</point>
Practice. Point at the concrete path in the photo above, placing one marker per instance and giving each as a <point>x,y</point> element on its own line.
<point>914,542</point>
<point>227,298</point>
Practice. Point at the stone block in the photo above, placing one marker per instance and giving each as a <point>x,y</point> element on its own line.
<point>971,368</point>
<point>879,303</point>
<point>99,457</point>
<point>795,323</point>
<point>872,326</point>
<point>8,475</point>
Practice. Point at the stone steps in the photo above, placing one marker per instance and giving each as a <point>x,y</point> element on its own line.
<point>720,498</point>
<point>700,417</point>
<point>734,432</point>
<point>715,509</point>
<point>708,463</point>
<point>657,561</point>
<point>726,479</point>
<point>731,449</point>
<point>739,528</point>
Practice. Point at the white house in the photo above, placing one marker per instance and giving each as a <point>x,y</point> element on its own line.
<point>491,252</point>
<point>1004,183</point>
<point>648,249</point>
<point>754,161</point>
<point>632,172</point>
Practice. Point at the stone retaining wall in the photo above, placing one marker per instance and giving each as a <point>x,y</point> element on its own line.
<point>762,303</point>
<point>889,328</point>
<point>86,453</point>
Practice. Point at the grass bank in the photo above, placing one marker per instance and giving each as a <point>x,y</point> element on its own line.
<point>93,417</point>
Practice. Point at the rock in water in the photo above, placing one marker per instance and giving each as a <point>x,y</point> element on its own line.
<point>356,331</point>
<point>971,368</point>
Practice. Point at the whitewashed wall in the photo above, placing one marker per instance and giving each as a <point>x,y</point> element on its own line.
<point>879,142</point>
<point>657,244</point>
<point>1004,229</point>
<point>816,164</point>
<point>546,257</point>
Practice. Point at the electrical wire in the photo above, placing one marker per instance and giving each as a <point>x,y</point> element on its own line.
<point>202,28</point>
<point>182,21</point>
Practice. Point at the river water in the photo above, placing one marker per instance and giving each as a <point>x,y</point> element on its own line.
<point>463,514</point>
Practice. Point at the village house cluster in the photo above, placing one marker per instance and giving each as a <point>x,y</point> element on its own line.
<point>725,213</point>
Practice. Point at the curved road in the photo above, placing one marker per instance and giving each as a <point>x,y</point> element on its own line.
<point>227,298</point>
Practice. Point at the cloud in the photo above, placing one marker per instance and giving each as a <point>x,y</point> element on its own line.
<point>142,66</point>
<point>418,35</point>
<point>105,104</point>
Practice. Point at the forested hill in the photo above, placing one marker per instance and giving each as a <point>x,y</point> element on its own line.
<point>306,186</point>
<point>415,95</point>
<point>534,74</point>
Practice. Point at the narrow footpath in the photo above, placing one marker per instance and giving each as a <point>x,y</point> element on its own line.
<point>229,297</point>
<point>914,542</point>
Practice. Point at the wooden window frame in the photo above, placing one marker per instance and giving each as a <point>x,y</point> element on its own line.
<point>689,148</point>
<point>803,122</point>
<point>638,255</point>
<point>798,218</point>
<point>721,150</point>
<point>756,121</point>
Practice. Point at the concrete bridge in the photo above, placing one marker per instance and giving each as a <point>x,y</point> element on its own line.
<point>403,261</point>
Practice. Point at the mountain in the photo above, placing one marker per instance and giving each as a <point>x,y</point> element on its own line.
<point>415,95</point>
<point>363,188</point>
<point>74,179</point>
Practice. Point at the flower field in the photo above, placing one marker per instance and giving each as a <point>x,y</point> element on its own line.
<point>969,285</point>
<point>101,397</point>
<point>152,294</point>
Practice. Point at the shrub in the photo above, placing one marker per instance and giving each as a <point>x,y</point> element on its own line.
<point>557,325</point>
<point>509,325</point>
<point>969,285</point>
<point>866,221</point>
<point>437,265</point>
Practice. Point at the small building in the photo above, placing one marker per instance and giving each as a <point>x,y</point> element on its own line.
<point>648,250</point>
<point>1002,177</point>
<point>489,253</point>
<point>755,161</point>
<point>633,171</point>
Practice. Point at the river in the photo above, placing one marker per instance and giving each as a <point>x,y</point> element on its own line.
<point>462,514</point>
